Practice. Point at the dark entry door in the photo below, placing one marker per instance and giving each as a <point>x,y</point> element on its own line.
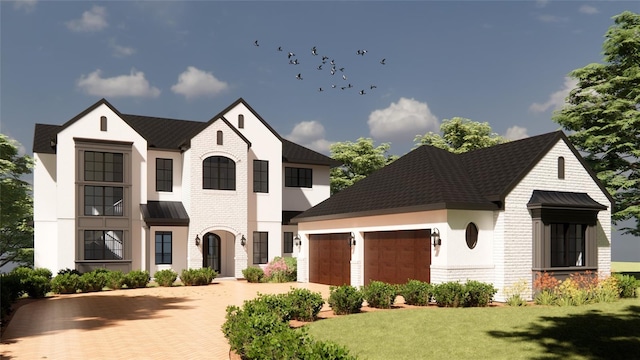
<point>211,254</point>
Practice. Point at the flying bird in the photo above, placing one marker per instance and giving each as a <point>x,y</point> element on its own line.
<point>299,76</point>
<point>279,48</point>
<point>325,58</point>
<point>383,61</point>
<point>314,52</point>
<point>294,62</point>
<point>372,87</point>
<point>361,52</point>
<point>333,86</point>
<point>320,89</point>
<point>256,43</point>
<point>320,67</point>
<point>291,54</point>
<point>344,77</point>
<point>333,72</point>
<point>362,92</point>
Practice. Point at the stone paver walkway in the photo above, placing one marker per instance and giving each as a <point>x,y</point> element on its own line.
<point>151,323</point>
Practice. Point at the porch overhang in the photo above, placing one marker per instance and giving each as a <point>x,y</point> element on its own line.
<point>164,213</point>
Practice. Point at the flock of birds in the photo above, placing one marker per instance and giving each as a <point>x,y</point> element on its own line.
<point>339,80</point>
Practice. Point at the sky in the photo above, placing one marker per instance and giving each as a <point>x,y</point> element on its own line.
<point>501,62</point>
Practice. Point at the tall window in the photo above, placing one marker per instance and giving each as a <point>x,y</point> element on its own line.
<point>163,247</point>
<point>103,123</point>
<point>103,166</point>
<point>298,177</point>
<point>288,242</point>
<point>164,175</point>
<point>567,245</point>
<point>103,200</point>
<point>240,121</point>
<point>219,137</point>
<point>560,167</point>
<point>219,173</point>
<point>260,247</point>
<point>103,244</point>
<point>260,176</point>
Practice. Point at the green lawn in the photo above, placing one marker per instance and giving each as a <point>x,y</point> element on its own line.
<point>619,266</point>
<point>598,331</point>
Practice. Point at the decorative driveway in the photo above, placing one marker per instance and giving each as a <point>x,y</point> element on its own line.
<point>152,323</point>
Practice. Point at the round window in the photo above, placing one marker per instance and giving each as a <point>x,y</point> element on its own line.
<point>472,235</point>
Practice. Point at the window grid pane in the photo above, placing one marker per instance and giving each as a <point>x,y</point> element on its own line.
<point>288,242</point>
<point>163,247</point>
<point>568,245</point>
<point>260,247</point>
<point>100,166</point>
<point>103,244</point>
<point>298,177</point>
<point>260,176</point>
<point>218,173</point>
<point>164,175</point>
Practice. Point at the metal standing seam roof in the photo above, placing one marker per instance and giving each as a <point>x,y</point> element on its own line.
<point>563,200</point>
<point>164,213</point>
<point>428,178</point>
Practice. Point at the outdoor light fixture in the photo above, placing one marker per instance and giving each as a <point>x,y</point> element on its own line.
<point>352,240</point>
<point>243,241</point>
<point>435,237</point>
<point>297,241</point>
<point>197,240</point>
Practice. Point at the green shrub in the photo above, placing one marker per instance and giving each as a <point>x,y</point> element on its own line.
<point>69,271</point>
<point>10,291</point>
<point>66,283</point>
<point>416,292</point>
<point>545,297</point>
<point>478,294</point>
<point>34,282</point>
<point>137,279</point>
<point>627,285</point>
<point>94,280</point>
<point>345,299</point>
<point>165,277</point>
<point>197,277</point>
<point>278,304</point>
<point>242,326</point>
<point>253,274</point>
<point>379,294</point>
<point>449,294</point>
<point>304,304</point>
<point>607,290</point>
<point>115,280</point>
<point>514,292</point>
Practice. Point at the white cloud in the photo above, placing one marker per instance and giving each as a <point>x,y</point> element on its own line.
<point>310,134</point>
<point>557,99</point>
<point>516,133</point>
<point>195,83</point>
<point>26,5</point>
<point>552,18</point>
<point>133,85</point>
<point>588,9</point>
<point>92,20</point>
<point>402,121</point>
<point>121,51</point>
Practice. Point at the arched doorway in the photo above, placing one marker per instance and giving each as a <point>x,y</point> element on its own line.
<point>211,248</point>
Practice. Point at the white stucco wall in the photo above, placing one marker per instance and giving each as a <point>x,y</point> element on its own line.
<point>518,244</point>
<point>300,199</point>
<point>45,219</point>
<point>178,248</point>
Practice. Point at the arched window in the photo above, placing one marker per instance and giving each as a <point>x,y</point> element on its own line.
<point>240,121</point>
<point>219,137</point>
<point>219,173</point>
<point>560,167</point>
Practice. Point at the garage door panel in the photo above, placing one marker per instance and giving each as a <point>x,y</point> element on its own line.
<point>396,256</point>
<point>329,259</point>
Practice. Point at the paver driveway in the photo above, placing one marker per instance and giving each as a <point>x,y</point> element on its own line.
<point>151,323</point>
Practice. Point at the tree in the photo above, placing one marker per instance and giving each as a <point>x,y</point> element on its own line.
<point>16,205</point>
<point>461,135</point>
<point>603,115</point>
<point>358,160</point>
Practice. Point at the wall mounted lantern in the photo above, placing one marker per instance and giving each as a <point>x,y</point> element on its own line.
<point>197,240</point>
<point>435,237</point>
<point>243,241</point>
<point>297,241</point>
<point>352,240</point>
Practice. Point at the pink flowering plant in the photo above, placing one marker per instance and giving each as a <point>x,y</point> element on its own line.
<point>281,270</point>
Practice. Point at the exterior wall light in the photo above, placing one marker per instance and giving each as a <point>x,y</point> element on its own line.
<point>197,240</point>
<point>352,240</point>
<point>435,237</point>
<point>243,241</point>
<point>297,241</point>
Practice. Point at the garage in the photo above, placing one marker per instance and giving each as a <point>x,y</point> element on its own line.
<point>396,256</point>
<point>329,259</point>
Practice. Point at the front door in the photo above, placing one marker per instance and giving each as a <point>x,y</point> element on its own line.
<point>211,248</point>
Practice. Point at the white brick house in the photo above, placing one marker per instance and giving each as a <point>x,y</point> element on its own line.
<point>135,192</point>
<point>501,215</point>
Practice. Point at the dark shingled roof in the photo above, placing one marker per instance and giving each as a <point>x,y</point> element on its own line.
<point>164,213</point>
<point>174,134</point>
<point>563,200</point>
<point>429,178</point>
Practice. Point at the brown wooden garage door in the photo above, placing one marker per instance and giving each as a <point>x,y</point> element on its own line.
<point>329,259</point>
<point>396,256</point>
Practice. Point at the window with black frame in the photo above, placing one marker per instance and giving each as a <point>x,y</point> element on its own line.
<point>164,240</point>
<point>567,245</point>
<point>164,175</point>
<point>218,173</point>
<point>298,177</point>
<point>260,247</point>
